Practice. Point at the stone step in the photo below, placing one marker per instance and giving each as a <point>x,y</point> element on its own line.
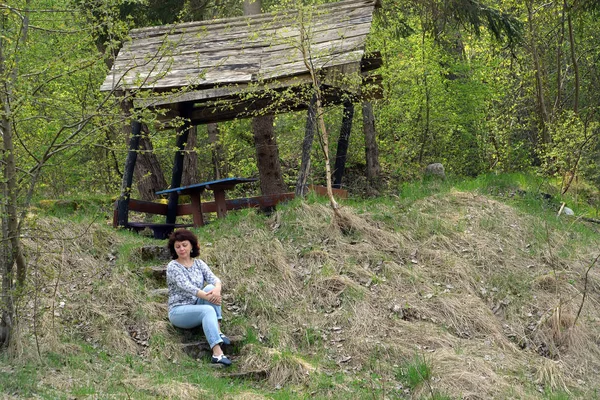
<point>161,292</point>
<point>157,271</point>
<point>200,348</point>
<point>255,374</point>
<point>155,252</point>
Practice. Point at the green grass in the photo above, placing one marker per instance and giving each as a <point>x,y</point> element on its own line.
<point>19,380</point>
<point>414,372</point>
<point>311,337</point>
<point>417,372</point>
<point>88,375</point>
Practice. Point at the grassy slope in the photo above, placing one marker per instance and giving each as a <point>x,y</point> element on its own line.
<point>444,291</point>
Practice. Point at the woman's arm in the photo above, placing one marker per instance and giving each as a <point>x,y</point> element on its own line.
<point>214,295</point>
<point>207,273</point>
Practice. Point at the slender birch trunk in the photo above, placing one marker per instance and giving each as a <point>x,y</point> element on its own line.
<point>322,129</point>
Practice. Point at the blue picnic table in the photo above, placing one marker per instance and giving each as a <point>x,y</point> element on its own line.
<point>218,187</point>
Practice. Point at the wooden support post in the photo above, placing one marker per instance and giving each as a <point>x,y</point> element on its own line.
<point>182,135</point>
<point>342,148</point>
<point>197,210</point>
<point>123,203</point>
<point>220,201</point>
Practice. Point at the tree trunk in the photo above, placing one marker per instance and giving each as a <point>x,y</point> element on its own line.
<point>322,129</point>
<point>11,232</point>
<point>371,149</point>
<point>11,235</point>
<point>325,146</point>
<point>343,143</point>
<point>543,112</point>
<point>425,135</point>
<point>219,166</point>
<point>6,249</point>
<point>575,63</point>
<point>190,159</point>
<point>309,135</point>
<point>267,156</point>
<point>148,173</point>
<point>561,38</point>
<point>7,310</point>
<point>267,152</point>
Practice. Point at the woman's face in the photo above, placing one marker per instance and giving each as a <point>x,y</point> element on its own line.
<point>183,248</point>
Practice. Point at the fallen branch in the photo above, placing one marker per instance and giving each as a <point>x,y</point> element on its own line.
<point>587,272</point>
<point>596,221</point>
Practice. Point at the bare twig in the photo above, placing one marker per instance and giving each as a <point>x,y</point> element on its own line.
<point>562,206</point>
<point>35,310</point>
<point>57,282</point>
<point>585,284</point>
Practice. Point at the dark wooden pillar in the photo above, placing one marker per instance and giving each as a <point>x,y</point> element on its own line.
<point>123,203</point>
<point>342,148</point>
<point>182,136</point>
<point>309,134</point>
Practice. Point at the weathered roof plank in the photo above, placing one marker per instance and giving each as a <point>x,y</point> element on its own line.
<point>217,60</point>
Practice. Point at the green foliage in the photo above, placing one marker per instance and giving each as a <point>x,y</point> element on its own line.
<point>573,146</point>
<point>455,96</point>
<point>414,372</point>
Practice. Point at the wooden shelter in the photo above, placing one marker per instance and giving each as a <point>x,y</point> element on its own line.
<point>211,71</point>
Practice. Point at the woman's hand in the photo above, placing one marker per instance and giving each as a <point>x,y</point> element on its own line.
<point>214,296</point>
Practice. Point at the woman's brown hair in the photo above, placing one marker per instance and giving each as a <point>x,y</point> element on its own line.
<point>179,236</point>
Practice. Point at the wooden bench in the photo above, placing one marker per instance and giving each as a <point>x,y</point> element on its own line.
<point>162,230</point>
<point>194,191</point>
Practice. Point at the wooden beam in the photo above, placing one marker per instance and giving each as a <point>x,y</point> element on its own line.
<point>182,136</point>
<point>123,202</point>
<point>233,107</point>
<point>343,142</point>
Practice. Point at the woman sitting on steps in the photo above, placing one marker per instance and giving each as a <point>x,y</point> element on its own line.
<point>190,302</point>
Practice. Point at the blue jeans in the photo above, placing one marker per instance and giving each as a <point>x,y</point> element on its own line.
<point>202,313</point>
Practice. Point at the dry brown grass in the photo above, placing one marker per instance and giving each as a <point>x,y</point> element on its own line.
<point>171,390</point>
<point>430,288</point>
<point>281,368</point>
<point>247,396</point>
<point>467,282</point>
<point>79,291</point>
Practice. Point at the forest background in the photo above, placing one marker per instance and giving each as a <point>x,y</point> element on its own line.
<point>503,86</point>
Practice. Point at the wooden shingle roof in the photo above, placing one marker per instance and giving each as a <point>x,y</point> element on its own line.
<point>208,61</point>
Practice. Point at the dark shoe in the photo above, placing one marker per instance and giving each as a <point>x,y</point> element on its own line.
<point>222,359</point>
<point>225,339</point>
